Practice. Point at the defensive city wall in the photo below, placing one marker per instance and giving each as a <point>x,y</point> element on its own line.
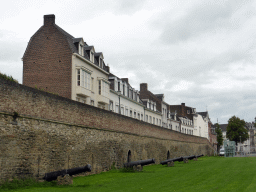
<point>41,132</point>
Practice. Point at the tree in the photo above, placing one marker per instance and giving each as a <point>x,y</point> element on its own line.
<point>236,130</point>
<point>219,137</point>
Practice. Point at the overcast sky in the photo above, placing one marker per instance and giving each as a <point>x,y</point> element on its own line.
<point>198,52</point>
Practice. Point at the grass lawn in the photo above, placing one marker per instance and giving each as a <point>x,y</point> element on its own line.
<point>206,174</point>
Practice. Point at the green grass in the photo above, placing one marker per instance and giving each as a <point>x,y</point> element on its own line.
<point>206,174</point>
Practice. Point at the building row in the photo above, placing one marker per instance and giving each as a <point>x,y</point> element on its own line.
<point>57,62</point>
<point>247,146</point>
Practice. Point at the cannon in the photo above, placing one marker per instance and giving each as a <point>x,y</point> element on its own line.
<point>171,160</point>
<point>186,158</point>
<point>199,155</point>
<point>138,165</point>
<point>54,175</point>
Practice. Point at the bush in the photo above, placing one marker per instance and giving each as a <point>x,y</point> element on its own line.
<point>7,77</point>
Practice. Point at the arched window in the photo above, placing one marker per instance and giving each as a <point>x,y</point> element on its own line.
<point>129,156</point>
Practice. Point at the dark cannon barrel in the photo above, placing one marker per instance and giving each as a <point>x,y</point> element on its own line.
<point>199,155</point>
<point>54,175</point>
<point>169,160</point>
<point>189,157</point>
<point>141,162</point>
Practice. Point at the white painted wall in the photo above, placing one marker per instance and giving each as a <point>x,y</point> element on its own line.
<point>201,126</point>
<point>133,107</point>
<point>91,94</point>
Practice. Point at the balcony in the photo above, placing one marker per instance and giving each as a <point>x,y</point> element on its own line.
<point>102,99</point>
<point>83,91</point>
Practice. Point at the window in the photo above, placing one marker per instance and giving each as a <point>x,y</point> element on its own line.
<point>150,119</point>
<point>83,78</point>
<point>188,112</point>
<point>92,102</point>
<point>101,63</point>
<point>111,105</point>
<point>160,122</point>
<point>81,50</point>
<point>130,113</point>
<point>103,88</point>
<point>156,121</point>
<point>78,77</point>
<point>92,83</point>
<point>99,87</point>
<point>134,114</point>
<point>92,57</point>
<point>138,116</point>
<point>141,117</point>
<point>117,108</point>
<point>153,120</point>
<point>122,110</point>
<point>126,112</point>
<point>146,118</point>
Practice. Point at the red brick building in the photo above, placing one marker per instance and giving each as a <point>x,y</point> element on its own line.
<point>57,62</point>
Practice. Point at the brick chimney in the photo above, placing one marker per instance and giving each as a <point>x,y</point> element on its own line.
<point>183,109</point>
<point>143,87</point>
<point>49,19</point>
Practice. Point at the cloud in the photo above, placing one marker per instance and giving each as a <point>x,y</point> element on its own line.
<point>208,16</point>
<point>129,6</point>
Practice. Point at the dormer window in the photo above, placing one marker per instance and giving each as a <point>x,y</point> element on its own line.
<point>81,49</point>
<point>92,57</point>
<point>101,63</point>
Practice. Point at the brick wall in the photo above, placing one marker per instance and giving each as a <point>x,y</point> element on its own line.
<point>47,60</point>
<point>53,133</point>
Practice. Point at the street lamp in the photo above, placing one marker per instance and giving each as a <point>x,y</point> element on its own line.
<point>119,93</point>
<point>240,146</point>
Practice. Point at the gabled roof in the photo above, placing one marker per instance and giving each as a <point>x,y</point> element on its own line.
<point>204,114</point>
<point>88,47</point>
<point>160,96</point>
<point>71,41</point>
<point>222,126</point>
<point>76,40</point>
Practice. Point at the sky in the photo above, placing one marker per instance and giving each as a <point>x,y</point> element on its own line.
<point>201,53</point>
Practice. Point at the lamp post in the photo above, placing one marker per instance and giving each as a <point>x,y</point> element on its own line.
<point>119,93</point>
<point>240,145</point>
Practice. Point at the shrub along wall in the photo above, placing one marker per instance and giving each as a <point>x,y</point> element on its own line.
<point>53,133</point>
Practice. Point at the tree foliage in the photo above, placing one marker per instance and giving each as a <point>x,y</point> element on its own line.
<point>219,136</point>
<point>236,130</point>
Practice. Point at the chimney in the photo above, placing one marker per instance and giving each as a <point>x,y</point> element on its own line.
<point>143,87</point>
<point>49,19</point>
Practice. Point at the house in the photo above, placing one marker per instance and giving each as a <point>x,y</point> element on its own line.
<point>175,122</point>
<point>186,115</point>
<point>201,124</point>
<point>186,125</point>
<point>124,99</point>
<point>57,62</point>
<point>153,106</point>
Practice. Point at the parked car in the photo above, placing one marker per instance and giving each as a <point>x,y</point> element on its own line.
<point>222,152</point>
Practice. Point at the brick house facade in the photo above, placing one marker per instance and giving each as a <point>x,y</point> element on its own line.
<point>57,62</point>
